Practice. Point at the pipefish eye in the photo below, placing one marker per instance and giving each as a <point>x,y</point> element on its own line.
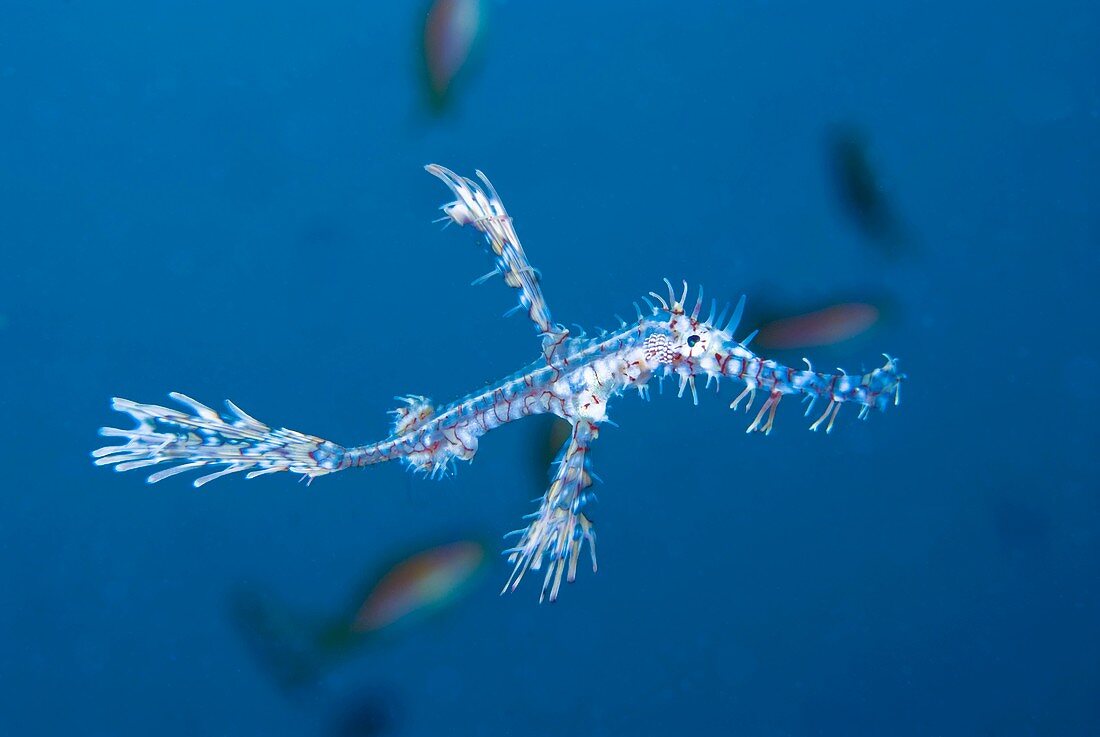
<point>692,341</point>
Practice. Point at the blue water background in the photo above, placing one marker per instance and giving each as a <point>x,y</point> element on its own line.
<point>226,199</point>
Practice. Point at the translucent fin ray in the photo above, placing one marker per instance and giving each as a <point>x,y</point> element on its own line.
<point>559,530</point>
<point>483,209</point>
<point>205,439</point>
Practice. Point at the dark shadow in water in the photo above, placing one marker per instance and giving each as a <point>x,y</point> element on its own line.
<point>860,191</point>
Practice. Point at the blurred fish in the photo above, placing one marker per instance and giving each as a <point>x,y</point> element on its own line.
<point>419,585</point>
<point>286,643</point>
<point>826,326</point>
<point>298,649</point>
<point>860,190</point>
<point>450,34</point>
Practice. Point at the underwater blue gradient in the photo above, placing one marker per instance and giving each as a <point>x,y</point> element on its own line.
<point>226,199</point>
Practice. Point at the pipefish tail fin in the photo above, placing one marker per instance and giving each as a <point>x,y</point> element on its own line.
<point>234,443</point>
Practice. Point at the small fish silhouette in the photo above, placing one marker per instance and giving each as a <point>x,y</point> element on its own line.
<point>298,649</point>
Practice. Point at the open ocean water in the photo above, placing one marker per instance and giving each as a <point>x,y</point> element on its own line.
<point>227,199</point>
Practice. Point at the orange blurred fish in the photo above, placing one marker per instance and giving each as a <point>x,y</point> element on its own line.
<point>822,327</point>
<point>298,649</point>
<point>450,33</point>
<point>423,583</point>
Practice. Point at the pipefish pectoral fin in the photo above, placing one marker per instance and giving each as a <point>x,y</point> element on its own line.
<point>480,207</point>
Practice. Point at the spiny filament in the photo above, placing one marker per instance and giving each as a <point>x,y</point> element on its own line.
<point>576,377</point>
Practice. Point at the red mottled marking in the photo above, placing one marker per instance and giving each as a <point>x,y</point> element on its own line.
<point>480,421</point>
<point>455,440</point>
<point>526,403</point>
<point>555,346</point>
